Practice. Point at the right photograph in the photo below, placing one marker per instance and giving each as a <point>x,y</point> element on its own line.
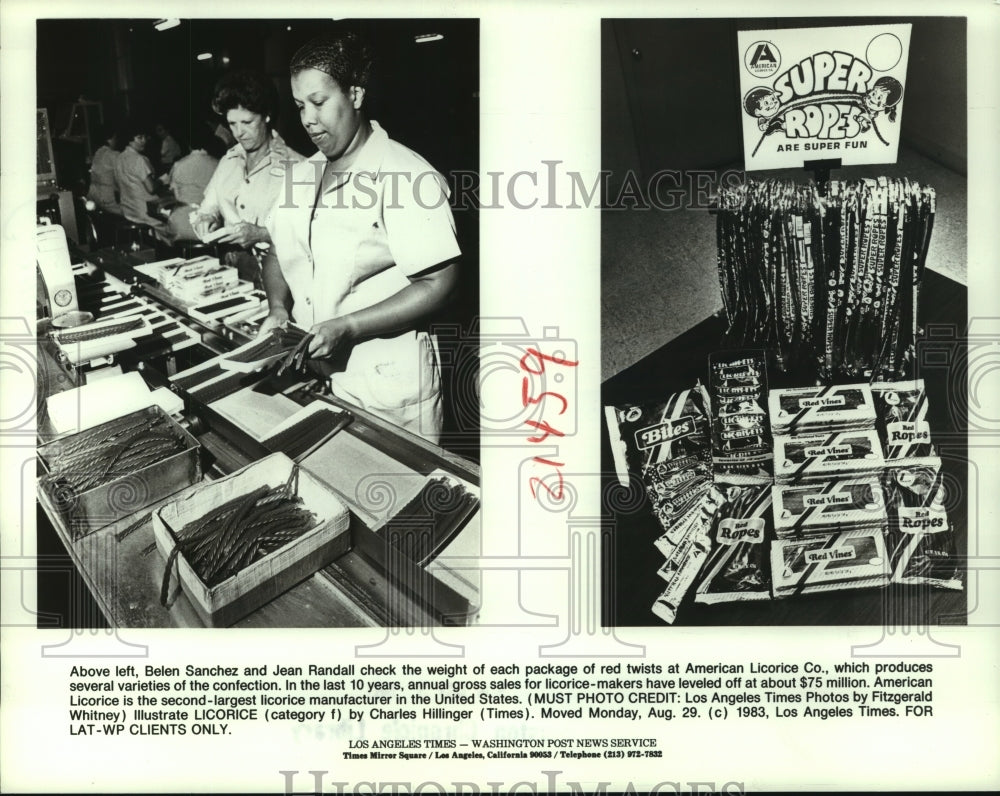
<point>784,322</point>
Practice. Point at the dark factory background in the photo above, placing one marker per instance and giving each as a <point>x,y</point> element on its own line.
<point>424,94</point>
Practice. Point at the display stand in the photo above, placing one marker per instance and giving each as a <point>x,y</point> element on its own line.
<point>821,172</point>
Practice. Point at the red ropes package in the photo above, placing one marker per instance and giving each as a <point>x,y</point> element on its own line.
<point>738,568</point>
<point>901,419</point>
<point>921,540</point>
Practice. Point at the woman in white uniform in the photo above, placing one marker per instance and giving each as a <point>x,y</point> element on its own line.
<point>364,247</point>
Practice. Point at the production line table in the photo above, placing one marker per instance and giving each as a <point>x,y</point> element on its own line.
<point>631,584</point>
<point>367,586</point>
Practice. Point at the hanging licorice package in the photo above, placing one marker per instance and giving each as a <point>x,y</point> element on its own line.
<point>921,540</point>
<point>741,438</point>
<point>769,252</point>
<point>738,568</point>
<point>878,233</point>
<point>832,282</point>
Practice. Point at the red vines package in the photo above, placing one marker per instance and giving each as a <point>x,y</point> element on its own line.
<point>738,567</point>
<point>821,506</point>
<point>901,419</point>
<point>842,560</point>
<point>821,456</point>
<point>814,410</point>
<point>921,541</point>
<point>741,438</point>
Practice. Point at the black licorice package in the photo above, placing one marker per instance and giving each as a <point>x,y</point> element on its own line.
<point>738,568</point>
<point>741,437</point>
<point>921,540</point>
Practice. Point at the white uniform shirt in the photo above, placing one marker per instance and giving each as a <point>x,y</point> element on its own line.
<point>233,195</point>
<point>131,171</point>
<point>103,184</point>
<point>190,176</point>
<point>355,245</point>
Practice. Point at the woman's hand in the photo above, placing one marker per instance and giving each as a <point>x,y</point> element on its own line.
<point>330,337</point>
<point>244,234</point>
<point>276,319</point>
<point>202,225</point>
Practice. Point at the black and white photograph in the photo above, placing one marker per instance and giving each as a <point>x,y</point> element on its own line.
<point>783,277</point>
<point>256,284</point>
<point>499,398</point>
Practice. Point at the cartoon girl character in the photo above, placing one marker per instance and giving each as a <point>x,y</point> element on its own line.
<point>884,95</point>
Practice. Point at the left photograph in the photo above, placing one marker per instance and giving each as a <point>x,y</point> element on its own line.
<point>257,269</point>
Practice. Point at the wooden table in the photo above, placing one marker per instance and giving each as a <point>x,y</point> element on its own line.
<point>631,584</point>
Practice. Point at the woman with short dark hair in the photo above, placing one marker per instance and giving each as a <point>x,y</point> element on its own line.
<point>364,247</point>
<point>250,175</point>
<point>103,190</point>
<point>136,177</point>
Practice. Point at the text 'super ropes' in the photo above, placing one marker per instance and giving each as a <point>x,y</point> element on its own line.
<point>817,93</point>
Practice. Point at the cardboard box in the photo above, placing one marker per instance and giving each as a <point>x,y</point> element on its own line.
<point>264,579</point>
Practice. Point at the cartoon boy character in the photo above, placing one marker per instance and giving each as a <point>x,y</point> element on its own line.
<point>763,103</point>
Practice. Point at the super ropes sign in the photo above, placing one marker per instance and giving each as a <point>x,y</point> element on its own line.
<point>816,93</point>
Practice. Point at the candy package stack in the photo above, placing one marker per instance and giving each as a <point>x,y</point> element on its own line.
<point>741,437</point>
<point>738,567</point>
<point>829,509</point>
<point>832,283</point>
<point>823,433</point>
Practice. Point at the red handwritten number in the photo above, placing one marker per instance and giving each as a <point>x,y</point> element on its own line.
<point>527,399</point>
<point>542,358</point>
<point>544,427</point>
<point>539,360</point>
<point>555,495</point>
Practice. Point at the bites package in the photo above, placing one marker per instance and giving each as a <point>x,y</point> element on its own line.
<point>643,436</point>
<point>741,437</point>
<point>738,568</point>
<point>921,539</point>
<point>667,446</point>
